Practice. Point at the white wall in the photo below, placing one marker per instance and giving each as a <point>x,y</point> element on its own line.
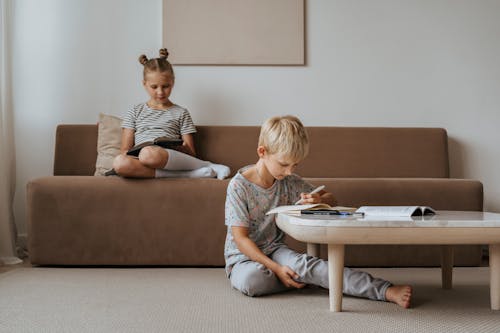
<point>428,63</point>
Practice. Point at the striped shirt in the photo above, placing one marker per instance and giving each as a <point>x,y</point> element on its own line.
<point>150,124</point>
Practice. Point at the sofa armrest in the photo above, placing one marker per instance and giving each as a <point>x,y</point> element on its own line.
<point>75,150</point>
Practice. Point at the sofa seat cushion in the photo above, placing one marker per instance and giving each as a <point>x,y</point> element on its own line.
<point>85,220</point>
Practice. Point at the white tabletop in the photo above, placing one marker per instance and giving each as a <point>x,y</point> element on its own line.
<point>443,218</point>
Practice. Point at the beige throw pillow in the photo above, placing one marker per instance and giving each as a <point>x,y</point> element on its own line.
<point>108,142</point>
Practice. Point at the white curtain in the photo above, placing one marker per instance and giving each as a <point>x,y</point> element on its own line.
<point>7,158</point>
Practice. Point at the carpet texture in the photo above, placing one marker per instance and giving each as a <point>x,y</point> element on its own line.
<point>201,300</point>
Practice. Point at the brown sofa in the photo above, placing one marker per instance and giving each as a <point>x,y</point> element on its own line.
<point>75,218</point>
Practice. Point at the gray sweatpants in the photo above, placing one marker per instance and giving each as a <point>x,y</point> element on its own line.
<point>254,279</point>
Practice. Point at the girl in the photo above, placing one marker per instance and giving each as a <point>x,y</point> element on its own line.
<point>159,117</point>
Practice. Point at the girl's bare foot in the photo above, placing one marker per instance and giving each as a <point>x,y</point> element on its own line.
<point>401,295</point>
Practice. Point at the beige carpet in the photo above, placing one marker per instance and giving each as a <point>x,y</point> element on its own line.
<point>201,300</point>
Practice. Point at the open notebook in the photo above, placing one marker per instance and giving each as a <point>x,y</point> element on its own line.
<point>314,209</point>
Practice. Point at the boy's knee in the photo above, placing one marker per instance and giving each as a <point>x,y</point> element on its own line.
<point>255,283</point>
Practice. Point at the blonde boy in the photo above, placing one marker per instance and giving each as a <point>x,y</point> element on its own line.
<point>257,260</point>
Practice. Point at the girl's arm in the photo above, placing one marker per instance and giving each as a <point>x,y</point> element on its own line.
<point>128,136</point>
<point>188,145</point>
<point>252,251</point>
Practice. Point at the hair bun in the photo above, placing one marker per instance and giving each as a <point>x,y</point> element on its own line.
<point>163,53</point>
<point>143,59</point>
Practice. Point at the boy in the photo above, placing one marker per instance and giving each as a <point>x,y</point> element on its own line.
<point>257,260</point>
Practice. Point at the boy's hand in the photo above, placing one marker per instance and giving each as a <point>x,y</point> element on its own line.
<point>310,198</point>
<point>287,276</point>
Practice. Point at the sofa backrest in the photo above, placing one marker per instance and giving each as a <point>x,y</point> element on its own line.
<point>338,152</point>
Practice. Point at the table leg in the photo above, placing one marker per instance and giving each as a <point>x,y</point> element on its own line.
<point>313,249</point>
<point>335,275</point>
<point>495,276</point>
<point>446,266</point>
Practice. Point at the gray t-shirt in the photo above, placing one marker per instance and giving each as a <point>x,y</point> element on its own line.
<point>247,205</point>
<point>150,124</point>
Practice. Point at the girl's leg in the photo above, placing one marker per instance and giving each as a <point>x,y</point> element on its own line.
<point>180,161</point>
<point>205,172</point>
<point>314,271</point>
<point>254,279</point>
<point>157,162</point>
<point>153,157</point>
<point>142,167</point>
<point>127,166</point>
<point>157,158</point>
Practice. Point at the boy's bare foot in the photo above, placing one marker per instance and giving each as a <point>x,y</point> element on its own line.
<point>401,295</point>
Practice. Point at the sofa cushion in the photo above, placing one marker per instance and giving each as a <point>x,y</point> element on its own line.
<point>108,142</point>
<point>80,220</point>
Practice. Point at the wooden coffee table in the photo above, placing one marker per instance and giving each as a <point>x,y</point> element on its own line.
<point>445,228</point>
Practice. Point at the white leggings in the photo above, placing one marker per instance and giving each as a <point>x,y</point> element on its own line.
<point>181,161</point>
<point>184,165</point>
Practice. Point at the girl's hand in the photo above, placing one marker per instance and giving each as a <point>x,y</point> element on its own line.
<point>310,198</point>
<point>287,276</point>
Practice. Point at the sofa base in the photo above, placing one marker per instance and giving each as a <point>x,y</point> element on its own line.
<point>86,220</point>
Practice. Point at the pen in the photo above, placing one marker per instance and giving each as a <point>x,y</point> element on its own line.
<point>316,190</point>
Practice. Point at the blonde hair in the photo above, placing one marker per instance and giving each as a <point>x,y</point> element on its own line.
<point>285,135</point>
<point>159,64</point>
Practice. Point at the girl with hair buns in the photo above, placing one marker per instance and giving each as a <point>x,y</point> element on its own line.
<point>159,117</point>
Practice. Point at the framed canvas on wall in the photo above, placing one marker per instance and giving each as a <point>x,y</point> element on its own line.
<point>234,32</point>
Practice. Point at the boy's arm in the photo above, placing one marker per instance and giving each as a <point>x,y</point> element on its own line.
<point>252,251</point>
<point>320,197</point>
<point>327,197</point>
